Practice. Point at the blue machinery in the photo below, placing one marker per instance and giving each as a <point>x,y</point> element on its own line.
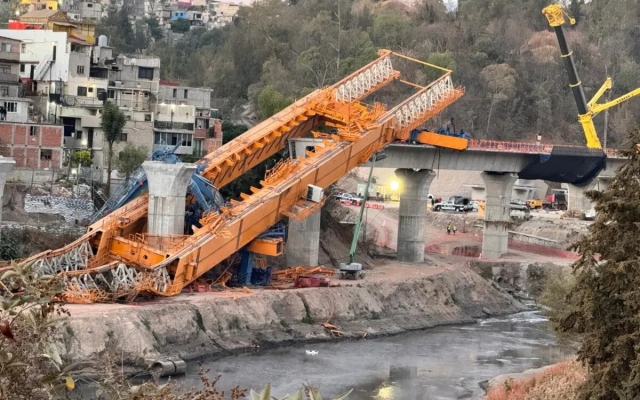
<point>207,198</point>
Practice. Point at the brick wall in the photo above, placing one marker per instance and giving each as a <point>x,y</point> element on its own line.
<point>33,145</point>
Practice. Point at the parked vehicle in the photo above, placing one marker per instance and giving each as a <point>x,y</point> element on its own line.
<point>455,203</point>
<point>518,205</point>
<point>348,198</point>
<point>557,201</point>
<point>534,204</point>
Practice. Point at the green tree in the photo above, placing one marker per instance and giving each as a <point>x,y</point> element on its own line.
<point>606,296</point>
<point>81,158</point>
<point>154,28</point>
<point>117,28</point>
<point>180,25</point>
<point>130,159</point>
<point>231,131</point>
<point>112,122</point>
<point>270,101</point>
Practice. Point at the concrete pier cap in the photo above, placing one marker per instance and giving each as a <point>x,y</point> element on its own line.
<point>168,185</point>
<point>6,165</point>
<point>495,238</point>
<point>413,213</point>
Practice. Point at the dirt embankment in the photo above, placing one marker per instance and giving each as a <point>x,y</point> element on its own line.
<point>222,324</point>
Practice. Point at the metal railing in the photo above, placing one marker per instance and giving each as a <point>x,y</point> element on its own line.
<point>173,125</point>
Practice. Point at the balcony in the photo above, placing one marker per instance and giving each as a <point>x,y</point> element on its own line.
<point>165,125</point>
<point>80,101</point>
<point>8,77</point>
<point>9,56</point>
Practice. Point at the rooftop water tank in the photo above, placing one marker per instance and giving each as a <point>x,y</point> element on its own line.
<point>102,41</point>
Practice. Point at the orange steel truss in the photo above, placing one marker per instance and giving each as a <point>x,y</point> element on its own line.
<point>116,259</point>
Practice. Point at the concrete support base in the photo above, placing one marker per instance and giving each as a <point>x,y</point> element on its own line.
<point>413,213</point>
<point>495,238</point>
<point>167,193</point>
<point>578,201</point>
<point>6,165</point>
<point>303,241</point>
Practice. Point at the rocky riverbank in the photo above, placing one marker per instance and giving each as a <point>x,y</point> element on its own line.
<point>208,325</point>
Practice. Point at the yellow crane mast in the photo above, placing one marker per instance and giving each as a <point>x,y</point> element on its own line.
<point>586,111</point>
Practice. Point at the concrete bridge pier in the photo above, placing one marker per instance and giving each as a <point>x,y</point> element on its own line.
<point>167,193</point>
<point>303,241</point>
<point>413,213</point>
<point>495,238</point>
<point>6,165</point>
<point>578,201</point>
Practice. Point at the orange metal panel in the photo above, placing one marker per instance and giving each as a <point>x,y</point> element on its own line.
<point>438,140</point>
<point>268,246</point>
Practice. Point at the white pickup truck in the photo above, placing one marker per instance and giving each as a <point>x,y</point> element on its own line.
<point>348,198</point>
<point>450,205</point>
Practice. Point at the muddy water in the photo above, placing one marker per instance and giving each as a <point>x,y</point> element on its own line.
<point>441,363</point>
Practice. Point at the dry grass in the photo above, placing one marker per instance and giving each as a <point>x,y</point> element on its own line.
<point>559,382</point>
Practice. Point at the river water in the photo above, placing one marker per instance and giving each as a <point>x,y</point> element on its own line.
<point>441,363</point>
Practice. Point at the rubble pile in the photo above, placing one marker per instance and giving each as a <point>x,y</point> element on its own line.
<point>71,209</point>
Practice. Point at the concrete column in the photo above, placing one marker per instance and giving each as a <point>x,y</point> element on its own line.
<point>413,213</point>
<point>578,201</point>
<point>495,238</point>
<point>167,193</point>
<point>6,165</point>
<point>303,241</point>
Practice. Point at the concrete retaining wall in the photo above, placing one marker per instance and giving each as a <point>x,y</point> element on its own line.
<point>208,325</point>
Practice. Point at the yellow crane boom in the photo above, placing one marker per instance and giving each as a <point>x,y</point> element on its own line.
<point>586,111</point>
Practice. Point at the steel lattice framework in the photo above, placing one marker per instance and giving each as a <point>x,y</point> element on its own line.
<point>364,81</point>
<point>409,113</point>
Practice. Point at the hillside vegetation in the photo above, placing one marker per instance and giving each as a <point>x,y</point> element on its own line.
<point>500,50</point>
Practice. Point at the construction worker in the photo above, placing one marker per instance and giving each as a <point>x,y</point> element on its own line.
<point>449,228</point>
<point>454,229</point>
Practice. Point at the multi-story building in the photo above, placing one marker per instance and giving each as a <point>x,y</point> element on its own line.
<point>35,146</point>
<point>56,21</point>
<point>133,87</point>
<point>78,10</point>
<point>16,107</point>
<point>32,5</point>
<point>204,135</point>
<point>222,13</point>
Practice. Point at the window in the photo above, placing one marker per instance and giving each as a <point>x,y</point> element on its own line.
<point>82,91</point>
<point>33,130</point>
<point>90,90</point>
<point>5,47</point>
<point>175,92</point>
<point>4,68</point>
<point>45,154</point>
<point>4,90</point>
<point>80,69</point>
<point>185,93</point>
<point>78,134</point>
<point>123,137</point>
<point>22,68</point>
<point>76,48</point>
<point>11,106</point>
<point>147,117</point>
<point>23,48</point>
<point>145,73</point>
<point>89,5</point>
<point>111,94</point>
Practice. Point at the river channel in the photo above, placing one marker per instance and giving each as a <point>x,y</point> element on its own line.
<point>441,363</point>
